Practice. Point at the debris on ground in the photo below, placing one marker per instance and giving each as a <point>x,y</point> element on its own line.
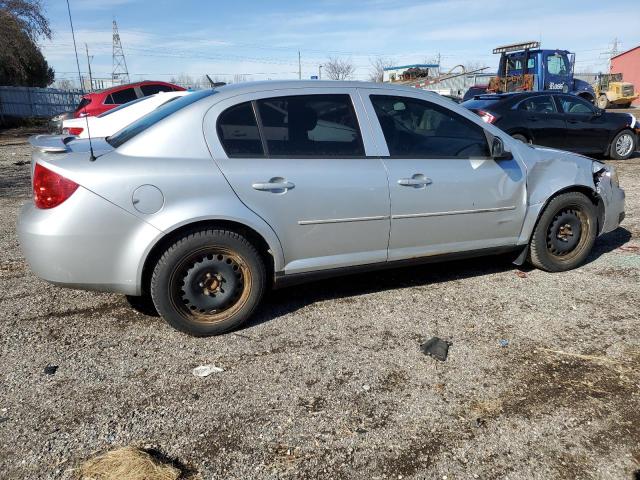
<point>129,463</point>
<point>504,343</point>
<point>436,348</point>
<point>521,274</point>
<point>206,370</point>
<point>50,369</point>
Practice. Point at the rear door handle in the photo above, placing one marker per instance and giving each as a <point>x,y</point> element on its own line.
<point>572,121</point>
<point>276,185</point>
<point>415,181</point>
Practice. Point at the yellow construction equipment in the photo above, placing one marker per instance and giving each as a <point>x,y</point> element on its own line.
<point>612,92</point>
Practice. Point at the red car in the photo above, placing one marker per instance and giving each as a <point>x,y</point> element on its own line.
<point>93,104</point>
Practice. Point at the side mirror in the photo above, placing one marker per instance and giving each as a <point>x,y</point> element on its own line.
<point>497,150</point>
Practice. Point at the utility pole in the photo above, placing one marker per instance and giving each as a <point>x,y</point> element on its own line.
<point>89,65</point>
<point>319,72</point>
<point>299,67</point>
<point>119,72</point>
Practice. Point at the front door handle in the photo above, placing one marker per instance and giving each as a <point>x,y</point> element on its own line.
<point>275,185</point>
<point>416,181</point>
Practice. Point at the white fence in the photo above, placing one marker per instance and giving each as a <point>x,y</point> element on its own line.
<point>33,102</point>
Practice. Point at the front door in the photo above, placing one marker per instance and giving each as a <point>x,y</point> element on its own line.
<point>587,131</point>
<point>447,194</point>
<point>300,163</point>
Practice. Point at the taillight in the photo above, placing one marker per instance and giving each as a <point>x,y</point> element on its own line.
<point>486,116</point>
<point>49,188</point>
<point>72,130</point>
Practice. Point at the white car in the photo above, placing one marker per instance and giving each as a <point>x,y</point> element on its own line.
<point>111,121</point>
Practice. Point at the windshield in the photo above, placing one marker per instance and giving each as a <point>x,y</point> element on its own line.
<point>140,125</point>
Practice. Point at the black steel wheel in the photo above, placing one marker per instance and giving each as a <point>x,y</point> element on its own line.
<point>565,233</point>
<point>208,282</point>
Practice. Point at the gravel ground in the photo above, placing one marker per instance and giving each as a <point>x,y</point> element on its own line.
<point>328,381</point>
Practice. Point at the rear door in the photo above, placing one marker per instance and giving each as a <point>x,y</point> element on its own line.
<point>302,167</point>
<point>447,194</point>
<point>587,130</point>
<point>539,114</point>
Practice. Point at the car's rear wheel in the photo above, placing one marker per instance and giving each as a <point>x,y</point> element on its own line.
<point>603,102</point>
<point>564,234</point>
<point>623,145</point>
<point>208,282</point>
<point>521,138</point>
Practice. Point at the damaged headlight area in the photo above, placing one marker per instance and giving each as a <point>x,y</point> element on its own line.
<point>602,170</point>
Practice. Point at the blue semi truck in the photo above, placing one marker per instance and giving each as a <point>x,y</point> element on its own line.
<point>527,67</point>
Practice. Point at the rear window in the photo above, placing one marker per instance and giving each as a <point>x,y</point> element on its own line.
<point>154,117</point>
<point>481,103</point>
<point>83,103</point>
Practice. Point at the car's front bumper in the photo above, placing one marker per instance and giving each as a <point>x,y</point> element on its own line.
<point>86,243</point>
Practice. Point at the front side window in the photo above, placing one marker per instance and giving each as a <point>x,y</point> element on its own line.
<point>310,125</point>
<point>539,104</point>
<point>238,131</point>
<point>573,104</point>
<point>420,129</point>
<point>557,65</point>
<point>124,96</point>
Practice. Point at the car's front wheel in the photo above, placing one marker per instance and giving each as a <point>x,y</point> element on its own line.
<point>564,234</point>
<point>208,282</point>
<point>623,145</point>
<point>521,138</point>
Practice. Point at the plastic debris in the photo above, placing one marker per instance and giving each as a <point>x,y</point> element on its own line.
<point>521,274</point>
<point>436,348</point>
<point>50,369</point>
<point>504,343</point>
<point>206,370</point>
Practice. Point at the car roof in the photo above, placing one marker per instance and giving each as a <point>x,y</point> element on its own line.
<point>513,95</point>
<point>266,85</point>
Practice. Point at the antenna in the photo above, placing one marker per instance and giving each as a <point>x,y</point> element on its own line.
<point>119,62</point>
<point>92,157</point>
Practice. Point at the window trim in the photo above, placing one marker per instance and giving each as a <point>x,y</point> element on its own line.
<point>487,135</point>
<point>265,146</point>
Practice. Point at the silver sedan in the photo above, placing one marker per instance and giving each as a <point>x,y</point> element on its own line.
<point>203,204</point>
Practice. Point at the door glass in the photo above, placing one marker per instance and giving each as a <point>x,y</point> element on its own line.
<point>152,89</point>
<point>572,104</point>
<point>557,65</point>
<point>311,125</point>
<point>124,96</point>
<point>238,131</point>
<point>541,104</point>
<point>416,128</point>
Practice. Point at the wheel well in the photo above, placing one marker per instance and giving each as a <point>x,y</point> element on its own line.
<point>250,234</point>
<point>588,192</point>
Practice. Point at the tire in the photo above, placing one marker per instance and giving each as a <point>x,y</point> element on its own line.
<point>208,282</point>
<point>554,247</point>
<point>520,137</point>
<point>603,101</point>
<point>623,145</point>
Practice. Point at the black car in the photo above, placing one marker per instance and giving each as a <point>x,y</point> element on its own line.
<point>558,120</point>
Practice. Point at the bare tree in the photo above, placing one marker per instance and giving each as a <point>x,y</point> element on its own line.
<point>29,15</point>
<point>65,84</point>
<point>376,73</point>
<point>338,69</point>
